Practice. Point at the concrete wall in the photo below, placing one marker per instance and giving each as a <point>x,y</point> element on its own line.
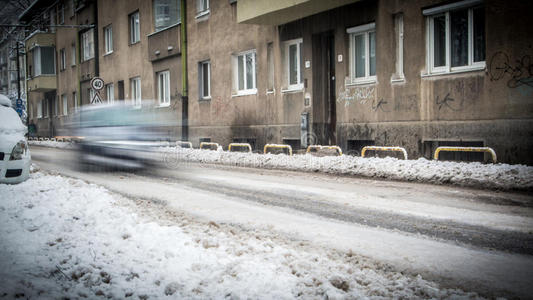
<point>492,107</point>
<point>262,116</point>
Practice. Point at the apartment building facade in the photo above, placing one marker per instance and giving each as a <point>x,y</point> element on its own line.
<point>417,74</point>
<point>59,45</point>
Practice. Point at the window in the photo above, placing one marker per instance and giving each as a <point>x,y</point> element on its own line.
<point>270,66</point>
<point>61,13</point>
<point>244,73</point>
<point>398,29</point>
<point>40,109</point>
<point>65,104</point>
<point>87,44</point>
<point>202,7</point>
<point>43,61</point>
<point>45,107</point>
<point>91,94</point>
<point>108,39</point>
<point>204,73</point>
<point>73,55</point>
<point>135,84</point>
<point>63,58</point>
<point>75,100</point>
<point>362,53</point>
<point>110,93</point>
<point>135,28</point>
<point>293,62</point>
<point>455,37</point>
<point>163,88</point>
<point>166,13</point>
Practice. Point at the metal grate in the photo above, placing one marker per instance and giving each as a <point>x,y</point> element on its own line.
<point>13,173</point>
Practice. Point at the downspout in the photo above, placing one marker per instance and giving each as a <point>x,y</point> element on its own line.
<point>184,81</point>
<point>96,49</point>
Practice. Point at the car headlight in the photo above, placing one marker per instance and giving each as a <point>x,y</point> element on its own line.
<point>19,150</point>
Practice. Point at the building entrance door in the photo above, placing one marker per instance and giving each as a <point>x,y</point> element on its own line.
<point>324,95</point>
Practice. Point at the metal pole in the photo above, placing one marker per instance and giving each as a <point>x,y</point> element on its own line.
<point>184,81</point>
<point>18,74</point>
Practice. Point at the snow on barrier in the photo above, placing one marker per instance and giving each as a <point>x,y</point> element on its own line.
<point>184,144</point>
<point>209,145</point>
<point>277,146</point>
<point>320,147</point>
<point>466,149</point>
<point>380,148</point>
<point>238,145</point>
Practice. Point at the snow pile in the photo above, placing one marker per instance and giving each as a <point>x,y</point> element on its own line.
<point>10,121</point>
<point>53,144</point>
<point>473,174</point>
<point>63,238</point>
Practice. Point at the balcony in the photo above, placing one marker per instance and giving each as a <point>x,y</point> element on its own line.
<point>40,51</point>
<point>164,43</point>
<point>277,12</point>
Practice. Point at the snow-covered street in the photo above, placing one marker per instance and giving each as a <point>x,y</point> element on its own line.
<point>65,238</point>
<point>212,231</point>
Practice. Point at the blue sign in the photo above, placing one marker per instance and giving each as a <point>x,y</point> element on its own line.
<point>19,102</point>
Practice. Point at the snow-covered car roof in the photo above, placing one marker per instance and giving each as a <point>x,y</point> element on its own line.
<point>4,101</point>
<point>10,122</point>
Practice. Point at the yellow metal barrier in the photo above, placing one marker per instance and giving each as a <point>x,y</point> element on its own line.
<point>181,143</point>
<point>379,148</point>
<point>466,149</point>
<point>208,145</point>
<point>288,147</point>
<point>320,147</point>
<point>246,145</point>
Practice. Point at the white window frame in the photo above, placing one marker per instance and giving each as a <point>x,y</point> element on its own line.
<point>245,90</point>
<point>40,109</point>
<point>202,8</point>
<point>73,53</point>
<point>75,100</point>
<point>135,28</point>
<point>87,42</point>
<point>163,93</point>
<point>61,13</point>
<point>110,93</point>
<point>91,95</point>
<point>108,39</point>
<point>399,76</point>
<point>63,59</point>
<point>430,38</point>
<point>201,83</point>
<point>135,88</point>
<point>286,44</point>
<point>64,104</point>
<point>365,31</point>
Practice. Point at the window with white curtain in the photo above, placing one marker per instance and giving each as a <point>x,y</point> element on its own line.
<point>244,72</point>
<point>87,44</point>
<point>135,84</point>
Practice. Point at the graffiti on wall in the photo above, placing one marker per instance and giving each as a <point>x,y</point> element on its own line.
<point>381,105</point>
<point>360,94</point>
<point>459,94</point>
<point>518,72</point>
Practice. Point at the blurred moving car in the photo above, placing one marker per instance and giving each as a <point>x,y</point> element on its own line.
<point>15,158</point>
<point>119,136</point>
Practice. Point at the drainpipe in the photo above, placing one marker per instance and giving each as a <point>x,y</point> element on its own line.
<point>184,81</point>
<point>95,33</point>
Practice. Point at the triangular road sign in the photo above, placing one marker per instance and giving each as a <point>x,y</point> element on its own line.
<point>96,98</point>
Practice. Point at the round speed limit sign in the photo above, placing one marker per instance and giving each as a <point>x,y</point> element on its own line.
<point>97,83</point>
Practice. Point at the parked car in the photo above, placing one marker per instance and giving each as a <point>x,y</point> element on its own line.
<point>15,158</point>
